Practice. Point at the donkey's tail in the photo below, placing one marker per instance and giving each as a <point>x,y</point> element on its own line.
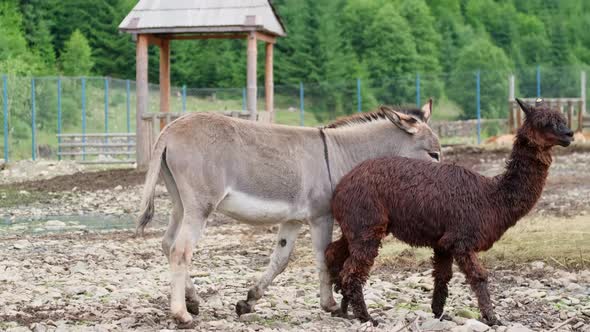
<point>149,188</point>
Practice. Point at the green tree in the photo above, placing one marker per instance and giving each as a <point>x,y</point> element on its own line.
<point>391,58</point>
<point>494,67</point>
<point>76,58</point>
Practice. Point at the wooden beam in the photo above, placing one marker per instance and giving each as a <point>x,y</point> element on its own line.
<point>164,80</point>
<point>269,81</point>
<point>142,130</point>
<point>153,40</point>
<point>251,64</point>
<point>266,38</point>
<point>220,36</point>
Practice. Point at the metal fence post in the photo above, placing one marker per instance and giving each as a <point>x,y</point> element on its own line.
<point>83,118</point>
<point>183,98</point>
<point>477,88</point>
<point>5,112</point>
<point>417,90</point>
<point>106,105</point>
<point>301,105</point>
<point>58,118</point>
<point>243,99</point>
<point>538,81</point>
<point>33,111</point>
<point>359,100</point>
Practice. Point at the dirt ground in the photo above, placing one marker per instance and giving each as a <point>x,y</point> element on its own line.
<point>71,278</point>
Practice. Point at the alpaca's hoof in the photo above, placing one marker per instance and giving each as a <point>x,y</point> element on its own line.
<point>192,307</point>
<point>493,322</point>
<point>340,313</point>
<point>373,322</point>
<point>242,307</point>
<point>443,317</point>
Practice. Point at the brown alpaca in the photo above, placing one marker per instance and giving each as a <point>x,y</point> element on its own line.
<point>453,210</point>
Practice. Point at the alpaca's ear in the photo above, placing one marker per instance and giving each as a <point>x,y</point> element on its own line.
<point>427,110</point>
<point>403,121</point>
<point>526,108</point>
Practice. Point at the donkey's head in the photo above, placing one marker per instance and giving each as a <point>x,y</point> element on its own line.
<point>544,127</point>
<point>414,122</point>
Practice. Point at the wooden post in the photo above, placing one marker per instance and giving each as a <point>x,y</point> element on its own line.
<point>582,109</point>
<point>142,133</point>
<point>269,82</point>
<point>164,79</point>
<point>570,113</point>
<point>252,54</point>
<point>511,105</point>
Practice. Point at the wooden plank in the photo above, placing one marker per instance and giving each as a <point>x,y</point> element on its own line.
<point>96,153</point>
<point>96,135</point>
<point>164,79</point>
<point>95,145</point>
<point>207,36</point>
<point>251,65</point>
<point>153,40</point>
<point>112,161</point>
<point>269,81</point>
<point>143,144</point>
<point>266,38</point>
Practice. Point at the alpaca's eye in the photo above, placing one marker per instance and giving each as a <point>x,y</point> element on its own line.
<point>434,155</point>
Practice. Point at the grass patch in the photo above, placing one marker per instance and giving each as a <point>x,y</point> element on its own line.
<point>11,197</point>
<point>560,242</point>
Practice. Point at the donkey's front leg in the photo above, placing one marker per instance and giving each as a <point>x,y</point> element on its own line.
<point>321,236</point>
<point>278,262</point>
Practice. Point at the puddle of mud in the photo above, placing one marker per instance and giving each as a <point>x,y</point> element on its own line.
<point>61,224</point>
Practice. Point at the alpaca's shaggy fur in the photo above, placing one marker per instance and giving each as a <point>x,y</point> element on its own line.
<point>453,210</point>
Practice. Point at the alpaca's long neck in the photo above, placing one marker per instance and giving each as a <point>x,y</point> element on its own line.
<point>521,185</point>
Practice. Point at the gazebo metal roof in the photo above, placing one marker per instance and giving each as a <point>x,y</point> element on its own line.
<point>203,16</point>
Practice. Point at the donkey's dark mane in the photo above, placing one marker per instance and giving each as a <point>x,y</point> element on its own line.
<point>359,118</point>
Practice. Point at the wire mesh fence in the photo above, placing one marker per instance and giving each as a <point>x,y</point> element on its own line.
<point>35,110</point>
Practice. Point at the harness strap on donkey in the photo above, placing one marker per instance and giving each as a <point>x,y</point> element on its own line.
<point>323,136</point>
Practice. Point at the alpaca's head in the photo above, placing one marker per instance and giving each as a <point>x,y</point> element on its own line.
<point>543,126</point>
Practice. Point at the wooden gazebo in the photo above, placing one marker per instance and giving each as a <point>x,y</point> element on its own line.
<point>156,22</point>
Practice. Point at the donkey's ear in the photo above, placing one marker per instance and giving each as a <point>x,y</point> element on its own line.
<point>403,121</point>
<point>526,107</point>
<point>427,110</point>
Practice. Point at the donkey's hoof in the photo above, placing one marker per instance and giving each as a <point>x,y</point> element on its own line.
<point>184,321</point>
<point>242,307</point>
<point>185,326</point>
<point>192,307</point>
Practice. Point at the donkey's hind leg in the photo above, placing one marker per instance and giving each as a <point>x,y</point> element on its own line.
<point>192,299</point>
<point>321,236</point>
<point>288,232</point>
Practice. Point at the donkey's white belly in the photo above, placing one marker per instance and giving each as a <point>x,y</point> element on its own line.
<point>254,210</point>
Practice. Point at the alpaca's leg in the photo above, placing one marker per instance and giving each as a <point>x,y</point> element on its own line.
<point>442,263</point>
<point>279,259</point>
<point>356,272</point>
<point>336,254</point>
<point>478,279</point>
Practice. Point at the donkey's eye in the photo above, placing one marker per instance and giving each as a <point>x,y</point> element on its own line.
<point>434,155</point>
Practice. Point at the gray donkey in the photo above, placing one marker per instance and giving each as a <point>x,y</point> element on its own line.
<point>264,174</point>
